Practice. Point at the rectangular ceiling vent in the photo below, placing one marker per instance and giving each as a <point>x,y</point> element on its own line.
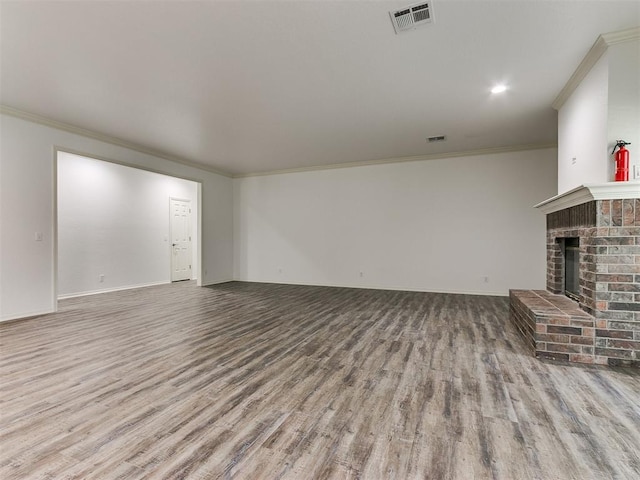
<point>411,17</point>
<point>437,138</point>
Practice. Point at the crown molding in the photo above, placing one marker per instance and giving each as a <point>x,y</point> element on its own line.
<point>589,192</point>
<point>416,158</point>
<point>598,49</point>
<point>621,36</point>
<point>594,54</point>
<point>32,117</point>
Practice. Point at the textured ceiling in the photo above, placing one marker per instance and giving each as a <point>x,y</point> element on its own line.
<point>259,86</point>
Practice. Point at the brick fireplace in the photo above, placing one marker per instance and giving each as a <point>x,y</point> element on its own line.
<point>601,324</point>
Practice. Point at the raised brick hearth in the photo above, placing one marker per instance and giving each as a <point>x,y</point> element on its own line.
<point>603,326</point>
<point>553,325</point>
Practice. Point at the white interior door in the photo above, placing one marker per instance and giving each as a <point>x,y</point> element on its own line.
<point>180,240</point>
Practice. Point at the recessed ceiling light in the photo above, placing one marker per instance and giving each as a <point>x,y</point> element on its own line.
<point>498,89</point>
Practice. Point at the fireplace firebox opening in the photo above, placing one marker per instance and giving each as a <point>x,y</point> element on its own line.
<point>572,268</point>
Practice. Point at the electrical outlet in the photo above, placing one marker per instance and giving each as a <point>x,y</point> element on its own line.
<point>361,274</point>
<point>101,278</point>
<point>636,172</point>
<point>485,279</point>
<point>38,236</point>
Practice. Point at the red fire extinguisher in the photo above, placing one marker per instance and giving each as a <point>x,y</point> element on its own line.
<point>622,161</point>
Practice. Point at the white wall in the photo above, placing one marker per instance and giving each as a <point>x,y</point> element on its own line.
<point>624,100</point>
<point>438,225</point>
<point>605,107</point>
<point>27,207</point>
<point>582,131</point>
<point>114,220</point>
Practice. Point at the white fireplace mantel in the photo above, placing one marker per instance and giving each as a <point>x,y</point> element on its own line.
<point>587,193</point>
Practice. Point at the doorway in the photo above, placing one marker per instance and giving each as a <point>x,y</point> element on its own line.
<point>113,226</point>
<point>180,239</point>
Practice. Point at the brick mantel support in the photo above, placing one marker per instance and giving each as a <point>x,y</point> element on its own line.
<point>606,220</point>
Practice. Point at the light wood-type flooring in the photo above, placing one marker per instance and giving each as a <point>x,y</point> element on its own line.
<point>259,381</point>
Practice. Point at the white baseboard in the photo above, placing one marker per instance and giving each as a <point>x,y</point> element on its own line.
<point>216,282</point>
<point>107,290</point>
<point>25,315</point>
<point>385,287</point>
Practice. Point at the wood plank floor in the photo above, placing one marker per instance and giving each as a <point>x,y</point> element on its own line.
<point>261,381</point>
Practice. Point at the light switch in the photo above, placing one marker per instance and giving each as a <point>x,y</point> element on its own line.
<point>38,236</point>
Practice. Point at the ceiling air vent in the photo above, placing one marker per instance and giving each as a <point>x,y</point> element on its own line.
<point>438,138</point>
<point>412,16</point>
